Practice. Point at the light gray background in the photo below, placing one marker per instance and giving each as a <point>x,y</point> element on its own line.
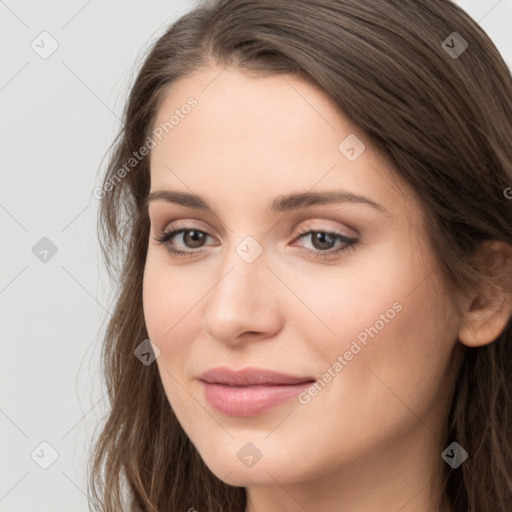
<point>58,116</point>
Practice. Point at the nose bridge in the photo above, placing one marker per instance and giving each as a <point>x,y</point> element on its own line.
<point>239,300</point>
<point>242,271</point>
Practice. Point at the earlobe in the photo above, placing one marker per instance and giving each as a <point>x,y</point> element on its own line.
<point>490,307</point>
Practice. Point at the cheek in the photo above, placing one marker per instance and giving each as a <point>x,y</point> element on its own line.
<point>170,297</point>
<point>404,357</point>
<point>360,296</point>
<point>391,316</point>
<point>172,314</point>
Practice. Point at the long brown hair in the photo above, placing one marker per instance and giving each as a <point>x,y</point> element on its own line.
<point>444,119</point>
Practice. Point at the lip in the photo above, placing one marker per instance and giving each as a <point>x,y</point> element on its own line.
<point>250,391</point>
<point>250,376</point>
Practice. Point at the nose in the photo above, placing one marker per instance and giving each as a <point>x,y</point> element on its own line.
<point>243,304</point>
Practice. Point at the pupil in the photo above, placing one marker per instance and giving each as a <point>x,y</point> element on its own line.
<point>321,238</point>
<point>196,236</point>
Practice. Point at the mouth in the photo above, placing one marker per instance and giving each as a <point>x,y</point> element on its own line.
<point>250,376</point>
<point>250,391</point>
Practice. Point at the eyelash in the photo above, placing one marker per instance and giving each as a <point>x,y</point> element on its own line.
<point>166,236</point>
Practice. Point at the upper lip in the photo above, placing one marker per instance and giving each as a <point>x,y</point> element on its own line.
<point>249,376</point>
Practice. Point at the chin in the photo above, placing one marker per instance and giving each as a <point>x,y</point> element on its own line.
<point>241,463</point>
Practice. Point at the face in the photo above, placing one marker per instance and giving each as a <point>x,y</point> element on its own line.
<point>342,294</point>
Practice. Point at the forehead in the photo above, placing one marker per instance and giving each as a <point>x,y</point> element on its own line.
<point>261,134</point>
<point>234,106</point>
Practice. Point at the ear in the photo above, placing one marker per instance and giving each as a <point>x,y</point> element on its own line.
<point>490,306</point>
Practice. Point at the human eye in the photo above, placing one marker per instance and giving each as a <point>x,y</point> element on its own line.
<point>326,237</point>
<point>194,238</point>
<point>190,235</point>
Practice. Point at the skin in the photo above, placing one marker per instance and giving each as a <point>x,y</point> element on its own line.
<point>371,438</point>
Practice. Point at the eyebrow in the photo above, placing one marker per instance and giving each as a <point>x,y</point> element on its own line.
<point>280,204</point>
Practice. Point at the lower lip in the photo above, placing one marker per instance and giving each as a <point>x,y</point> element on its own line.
<point>250,400</point>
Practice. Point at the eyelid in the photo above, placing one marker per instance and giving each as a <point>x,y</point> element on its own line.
<point>321,225</point>
<point>311,226</point>
<point>186,224</point>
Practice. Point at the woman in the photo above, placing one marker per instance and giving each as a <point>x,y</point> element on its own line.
<point>309,201</point>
